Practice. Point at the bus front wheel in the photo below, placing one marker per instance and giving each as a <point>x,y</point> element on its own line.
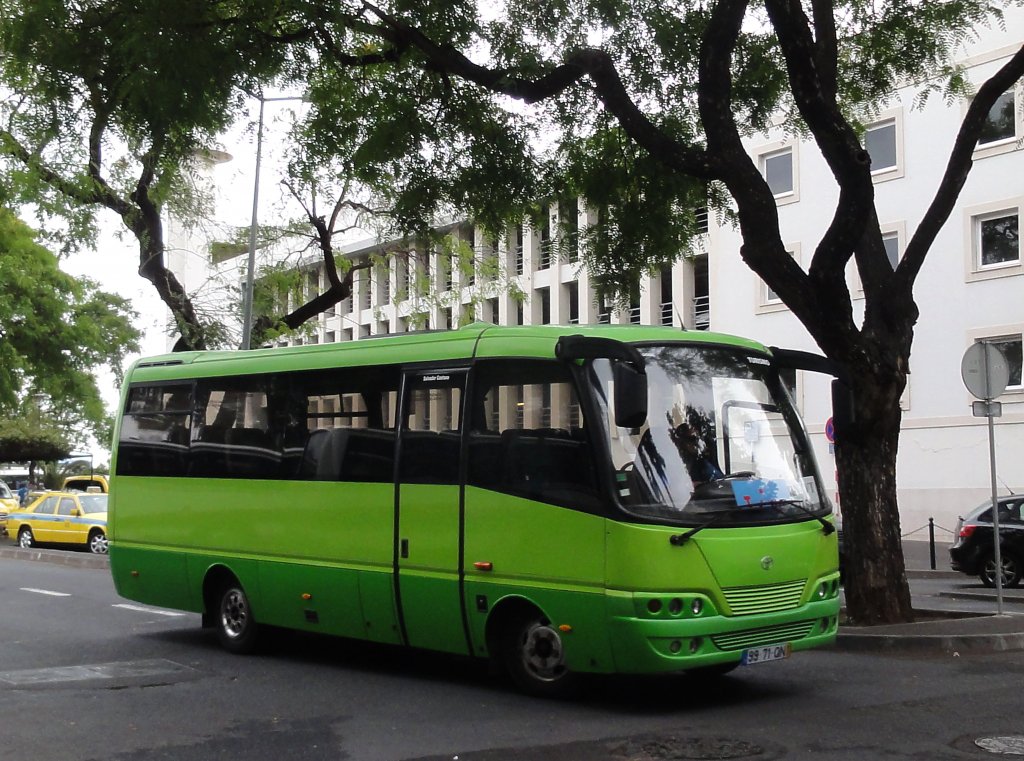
<point>237,629</point>
<point>534,657</point>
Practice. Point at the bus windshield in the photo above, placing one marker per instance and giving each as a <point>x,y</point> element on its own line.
<point>722,442</point>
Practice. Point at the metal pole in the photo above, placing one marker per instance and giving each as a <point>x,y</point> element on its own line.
<point>931,540</point>
<point>997,552</point>
<point>249,273</point>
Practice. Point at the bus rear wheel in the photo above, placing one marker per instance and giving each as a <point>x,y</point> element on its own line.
<point>534,657</point>
<point>237,630</point>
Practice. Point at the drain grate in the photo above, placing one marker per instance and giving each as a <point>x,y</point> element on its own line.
<point>1010,745</point>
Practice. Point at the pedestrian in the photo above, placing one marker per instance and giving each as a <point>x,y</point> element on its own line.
<point>22,492</point>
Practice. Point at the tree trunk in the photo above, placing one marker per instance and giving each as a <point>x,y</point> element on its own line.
<point>875,575</point>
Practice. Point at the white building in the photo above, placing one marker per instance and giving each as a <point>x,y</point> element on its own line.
<point>970,287</point>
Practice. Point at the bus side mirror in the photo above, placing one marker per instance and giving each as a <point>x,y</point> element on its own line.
<point>630,395</point>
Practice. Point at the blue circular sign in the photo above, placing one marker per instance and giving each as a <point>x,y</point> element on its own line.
<point>830,431</point>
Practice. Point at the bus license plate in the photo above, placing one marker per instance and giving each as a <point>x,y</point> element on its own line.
<point>765,653</point>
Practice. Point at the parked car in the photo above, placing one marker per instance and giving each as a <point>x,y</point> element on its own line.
<point>71,518</point>
<point>8,502</point>
<point>86,483</point>
<point>973,549</point>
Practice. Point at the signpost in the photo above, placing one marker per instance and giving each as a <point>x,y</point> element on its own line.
<point>986,373</point>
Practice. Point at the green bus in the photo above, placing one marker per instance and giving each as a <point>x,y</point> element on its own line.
<point>561,499</point>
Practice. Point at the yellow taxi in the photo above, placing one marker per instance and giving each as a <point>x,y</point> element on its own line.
<point>62,518</point>
<point>8,502</point>
<point>91,483</point>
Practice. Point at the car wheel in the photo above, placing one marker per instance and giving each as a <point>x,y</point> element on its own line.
<point>1012,570</point>
<point>237,629</point>
<point>98,544</point>
<point>26,538</point>
<point>534,657</point>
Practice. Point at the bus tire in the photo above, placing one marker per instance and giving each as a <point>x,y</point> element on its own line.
<point>533,656</point>
<point>237,630</point>
<point>26,539</point>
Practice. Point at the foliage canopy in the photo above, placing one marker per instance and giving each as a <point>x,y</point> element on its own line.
<point>55,331</point>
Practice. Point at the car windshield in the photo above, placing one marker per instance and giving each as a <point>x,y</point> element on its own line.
<point>722,441</point>
<point>5,491</point>
<point>93,503</point>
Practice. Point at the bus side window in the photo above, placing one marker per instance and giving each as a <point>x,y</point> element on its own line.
<point>431,434</point>
<point>340,425</point>
<point>234,438</point>
<point>528,437</point>
<point>155,431</point>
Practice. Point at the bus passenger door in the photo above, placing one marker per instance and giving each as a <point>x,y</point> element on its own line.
<point>428,508</point>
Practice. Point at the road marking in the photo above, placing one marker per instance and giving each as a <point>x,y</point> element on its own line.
<point>140,609</point>
<point>45,592</point>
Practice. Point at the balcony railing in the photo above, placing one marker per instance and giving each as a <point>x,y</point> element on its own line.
<point>666,313</point>
<point>547,253</point>
<point>702,312</point>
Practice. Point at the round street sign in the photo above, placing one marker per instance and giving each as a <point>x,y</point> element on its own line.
<point>985,370</point>
<point>830,431</point>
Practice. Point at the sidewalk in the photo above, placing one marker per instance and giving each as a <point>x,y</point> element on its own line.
<point>955,613</point>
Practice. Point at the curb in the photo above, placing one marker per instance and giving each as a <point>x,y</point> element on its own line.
<point>976,634</point>
<point>1008,599</point>
<point>58,557</point>
<point>924,573</point>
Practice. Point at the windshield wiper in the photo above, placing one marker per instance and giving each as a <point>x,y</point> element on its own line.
<point>681,539</point>
<point>826,527</point>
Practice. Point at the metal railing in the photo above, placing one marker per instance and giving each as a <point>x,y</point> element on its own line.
<point>702,312</point>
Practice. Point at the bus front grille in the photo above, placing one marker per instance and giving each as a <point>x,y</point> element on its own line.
<point>767,635</point>
<point>744,601</point>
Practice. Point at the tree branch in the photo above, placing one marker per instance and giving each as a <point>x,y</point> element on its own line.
<point>957,169</point>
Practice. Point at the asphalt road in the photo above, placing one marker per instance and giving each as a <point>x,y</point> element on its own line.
<point>82,677</point>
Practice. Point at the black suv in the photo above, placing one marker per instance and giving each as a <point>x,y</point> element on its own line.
<point>973,548</point>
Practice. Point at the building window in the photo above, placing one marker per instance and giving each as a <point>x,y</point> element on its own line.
<point>1012,348</point>
<point>665,283</point>
<point>365,291</point>
<point>997,239</point>
<point>517,253</point>
<point>493,310</point>
<point>546,245</point>
<point>543,306</point>
<point>1001,123</point>
<point>881,145</point>
<point>573,298</point>
<point>777,169</point>
<point>768,300</point>
<point>891,242</point>
<point>568,217</point>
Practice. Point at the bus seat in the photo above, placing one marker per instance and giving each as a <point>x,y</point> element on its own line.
<point>332,455</point>
<point>311,453</point>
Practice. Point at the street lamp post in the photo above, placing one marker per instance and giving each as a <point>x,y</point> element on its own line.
<point>251,265</point>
